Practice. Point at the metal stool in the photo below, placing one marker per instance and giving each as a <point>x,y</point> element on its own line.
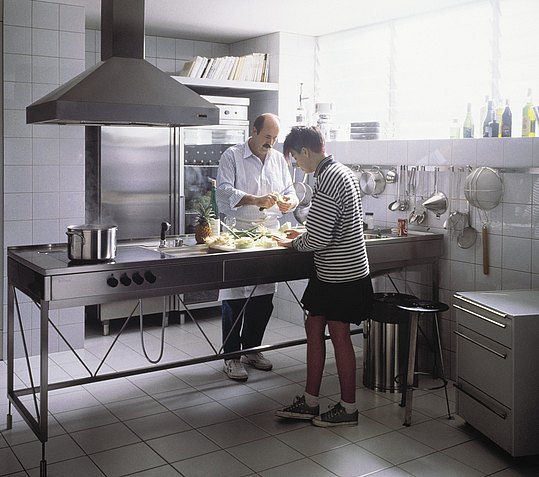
<point>417,307</point>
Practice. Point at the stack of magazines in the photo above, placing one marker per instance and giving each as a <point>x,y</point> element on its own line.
<point>253,67</point>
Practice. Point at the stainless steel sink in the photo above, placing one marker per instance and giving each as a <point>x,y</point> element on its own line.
<point>184,250</point>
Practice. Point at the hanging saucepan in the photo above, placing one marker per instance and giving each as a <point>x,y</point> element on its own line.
<point>372,182</point>
<point>91,243</point>
<point>484,189</point>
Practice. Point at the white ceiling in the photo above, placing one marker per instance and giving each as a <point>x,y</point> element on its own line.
<point>228,21</point>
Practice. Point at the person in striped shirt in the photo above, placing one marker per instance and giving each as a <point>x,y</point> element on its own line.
<point>341,292</point>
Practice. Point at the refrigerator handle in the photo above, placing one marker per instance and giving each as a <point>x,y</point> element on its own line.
<point>181,210</point>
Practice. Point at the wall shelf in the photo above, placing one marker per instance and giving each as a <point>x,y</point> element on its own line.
<point>226,87</point>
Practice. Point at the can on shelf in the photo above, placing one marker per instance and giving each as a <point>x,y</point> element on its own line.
<point>402,228</point>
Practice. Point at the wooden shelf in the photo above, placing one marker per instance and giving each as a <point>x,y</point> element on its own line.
<point>211,86</point>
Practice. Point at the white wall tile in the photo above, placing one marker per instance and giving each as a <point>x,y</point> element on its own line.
<point>45,69</point>
<point>535,152</point>
<point>514,280</point>
<point>418,152</point>
<point>516,220</point>
<point>89,59</point>
<point>71,45</point>
<point>17,151</point>
<point>15,124</point>
<point>202,48</point>
<point>17,207</point>
<point>45,231</point>
<point>516,254</point>
<point>166,48</point>
<point>45,15</point>
<point>17,40</point>
<point>72,178</point>
<point>45,151</point>
<point>72,18</point>
<point>17,68</point>
<point>517,152</point>
<point>490,152</point>
<point>18,12</point>
<point>217,50</point>
<point>378,152</point>
<point>166,65</point>
<point>150,46</point>
<point>69,68</point>
<point>535,222</point>
<point>46,178</point>
<point>17,232</point>
<point>72,132</point>
<point>45,42</point>
<point>535,256</point>
<point>397,152</point>
<point>17,95</point>
<point>90,41</point>
<point>71,205</point>
<point>440,152</point>
<point>17,179</point>
<point>72,151</point>
<point>490,281</point>
<point>185,49</point>
<point>517,188</point>
<point>46,205</point>
<point>464,152</point>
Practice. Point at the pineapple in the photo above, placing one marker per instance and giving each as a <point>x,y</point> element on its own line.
<point>202,225</point>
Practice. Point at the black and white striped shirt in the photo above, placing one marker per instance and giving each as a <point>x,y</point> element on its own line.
<point>334,228</point>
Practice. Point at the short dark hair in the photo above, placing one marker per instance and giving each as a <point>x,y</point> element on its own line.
<point>302,136</point>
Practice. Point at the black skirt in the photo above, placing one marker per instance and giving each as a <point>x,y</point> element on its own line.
<point>349,302</point>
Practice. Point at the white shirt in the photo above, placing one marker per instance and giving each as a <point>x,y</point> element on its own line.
<point>241,172</point>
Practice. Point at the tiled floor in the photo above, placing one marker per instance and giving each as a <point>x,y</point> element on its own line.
<point>193,421</point>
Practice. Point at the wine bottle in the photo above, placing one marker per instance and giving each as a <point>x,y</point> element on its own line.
<point>528,117</point>
<point>488,121</point>
<point>499,113</point>
<point>468,126</point>
<point>454,129</point>
<point>483,111</point>
<point>507,120</point>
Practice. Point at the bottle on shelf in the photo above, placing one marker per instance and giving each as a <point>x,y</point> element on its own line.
<point>489,121</point>
<point>300,110</point>
<point>507,121</point>
<point>215,223</point>
<point>454,129</point>
<point>468,126</point>
<point>499,112</point>
<point>483,110</point>
<point>528,117</point>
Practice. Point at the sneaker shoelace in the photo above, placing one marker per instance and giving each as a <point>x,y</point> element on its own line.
<point>335,411</point>
<point>298,402</point>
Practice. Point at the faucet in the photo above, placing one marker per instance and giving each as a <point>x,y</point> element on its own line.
<point>165,227</point>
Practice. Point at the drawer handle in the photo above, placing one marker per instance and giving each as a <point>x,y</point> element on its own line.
<point>501,414</point>
<point>483,307</point>
<point>494,322</point>
<point>503,356</point>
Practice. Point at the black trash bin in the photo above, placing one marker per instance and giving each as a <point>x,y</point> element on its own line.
<point>385,348</point>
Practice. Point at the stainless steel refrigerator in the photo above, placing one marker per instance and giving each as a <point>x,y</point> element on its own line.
<point>138,177</point>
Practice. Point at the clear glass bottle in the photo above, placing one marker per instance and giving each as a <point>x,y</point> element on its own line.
<point>483,110</point>
<point>454,129</point>
<point>487,122</point>
<point>528,117</point>
<point>468,126</point>
<point>507,121</point>
<point>215,223</point>
<point>499,113</point>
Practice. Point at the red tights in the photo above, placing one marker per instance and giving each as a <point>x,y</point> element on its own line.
<point>316,355</point>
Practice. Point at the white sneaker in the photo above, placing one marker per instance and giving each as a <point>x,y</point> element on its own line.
<point>257,360</point>
<point>235,370</point>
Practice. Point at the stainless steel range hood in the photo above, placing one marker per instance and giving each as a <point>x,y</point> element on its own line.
<point>123,89</point>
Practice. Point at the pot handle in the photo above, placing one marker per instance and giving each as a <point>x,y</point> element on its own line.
<point>78,234</point>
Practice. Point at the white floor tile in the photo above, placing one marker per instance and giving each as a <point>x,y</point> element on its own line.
<point>435,434</point>
<point>182,445</point>
<point>157,425</point>
<point>481,455</point>
<point>439,465</point>
<point>351,461</point>
<point>98,439</point>
<point>298,468</point>
<point>312,440</point>
<point>244,431</point>
<point>216,464</point>
<point>264,453</point>
<point>205,414</point>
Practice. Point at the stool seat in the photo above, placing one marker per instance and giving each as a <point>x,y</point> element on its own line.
<point>422,306</point>
<point>385,307</point>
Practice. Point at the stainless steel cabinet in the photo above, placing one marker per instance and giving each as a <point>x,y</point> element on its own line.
<point>498,366</point>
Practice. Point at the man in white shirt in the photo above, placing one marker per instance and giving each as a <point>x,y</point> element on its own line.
<point>254,186</point>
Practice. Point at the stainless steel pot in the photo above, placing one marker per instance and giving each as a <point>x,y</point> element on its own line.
<point>91,242</point>
<point>372,182</point>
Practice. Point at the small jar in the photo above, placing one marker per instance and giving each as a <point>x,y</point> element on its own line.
<point>402,228</point>
<point>369,220</point>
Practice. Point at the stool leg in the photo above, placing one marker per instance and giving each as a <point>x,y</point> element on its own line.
<point>411,366</point>
<point>442,363</point>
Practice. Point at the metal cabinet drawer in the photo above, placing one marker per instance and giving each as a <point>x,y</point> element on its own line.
<point>491,323</point>
<point>485,364</point>
<point>486,416</point>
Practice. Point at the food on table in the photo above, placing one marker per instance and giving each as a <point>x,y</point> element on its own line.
<point>202,225</point>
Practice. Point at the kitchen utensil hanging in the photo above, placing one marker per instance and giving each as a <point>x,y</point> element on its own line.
<point>372,182</point>
<point>456,221</point>
<point>437,202</point>
<point>483,188</point>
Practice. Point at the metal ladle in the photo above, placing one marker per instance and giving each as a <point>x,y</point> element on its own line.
<point>396,204</point>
